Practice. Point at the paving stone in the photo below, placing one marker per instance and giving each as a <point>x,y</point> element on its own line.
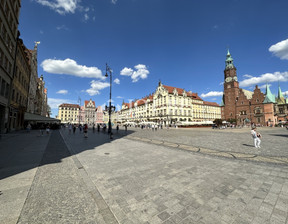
<point>142,182</point>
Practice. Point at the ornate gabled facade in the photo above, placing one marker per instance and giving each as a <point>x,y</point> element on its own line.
<point>247,107</point>
<point>32,99</point>
<point>169,105</point>
<point>90,112</point>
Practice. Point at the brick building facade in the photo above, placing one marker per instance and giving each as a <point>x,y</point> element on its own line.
<point>246,107</point>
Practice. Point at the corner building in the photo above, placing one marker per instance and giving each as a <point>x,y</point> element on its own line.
<point>170,105</point>
<point>246,107</point>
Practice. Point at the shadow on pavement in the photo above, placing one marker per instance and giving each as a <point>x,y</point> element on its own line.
<point>24,151</point>
<point>248,145</point>
<point>280,135</point>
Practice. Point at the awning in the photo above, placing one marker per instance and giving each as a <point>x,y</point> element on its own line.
<point>39,118</point>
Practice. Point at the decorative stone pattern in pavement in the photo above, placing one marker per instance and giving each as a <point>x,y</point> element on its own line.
<point>151,183</point>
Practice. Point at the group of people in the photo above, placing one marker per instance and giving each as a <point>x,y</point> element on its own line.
<point>73,127</point>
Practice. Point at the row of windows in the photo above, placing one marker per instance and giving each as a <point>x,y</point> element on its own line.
<point>12,14</point>
<point>19,98</point>
<point>68,108</point>
<point>4,88</point>
<point>4,62</point>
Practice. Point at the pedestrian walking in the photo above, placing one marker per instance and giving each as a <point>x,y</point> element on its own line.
<point>74,129</point>
<point>47,129</point>
<point>256,137</point>
<point>85,130</point>
<point>42,129</point>
<point>117,128</point>
<point>70,128</point>
<point>28,127</point>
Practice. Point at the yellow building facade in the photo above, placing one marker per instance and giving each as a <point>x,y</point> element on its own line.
<point>170,105</point>
<point>68,113</point>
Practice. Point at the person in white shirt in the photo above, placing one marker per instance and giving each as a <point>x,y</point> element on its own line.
<point>256,137</point>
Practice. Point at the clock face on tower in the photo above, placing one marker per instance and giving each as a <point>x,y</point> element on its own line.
<point>228,79</point>
<point>235,78</point>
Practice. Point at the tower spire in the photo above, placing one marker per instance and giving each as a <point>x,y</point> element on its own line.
<point>269,98</point>
<point>280,98</point>
<point>229,61</point>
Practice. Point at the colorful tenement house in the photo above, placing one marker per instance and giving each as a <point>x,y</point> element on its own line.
<point>170,105</point>
<point>69,113</point>
<point>245,107</point>
<point>90,112</point>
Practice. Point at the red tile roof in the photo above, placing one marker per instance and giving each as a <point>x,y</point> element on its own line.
<point>69,105</point>
<point>180,92</point>
<point>211,104</point>
<point>87,101</point>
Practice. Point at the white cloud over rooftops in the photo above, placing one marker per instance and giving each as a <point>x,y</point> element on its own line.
<point>54,103</point>
<point>212,94</point>
<point>265,78</point>
<point>70,67</point>
<point>140,72</point>
<point>280,49</point>
<point>96,86</point>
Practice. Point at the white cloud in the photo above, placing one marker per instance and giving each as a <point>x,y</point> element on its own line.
<point>70,67</point>
<point>96,86</point>
<point>141,72</point>
<point>117,81</point>
<point>54,103</point>
<point>211,94</point>
<point>86,17</point>
<point>280,49</point>
<point>60,6</point>
<point>264,86</point>
<point>285,93</point>
<point>119,97</point>
<point>126,71</point>
<point>63,27</point>
<point>265,78</point>
<point>247,76</point>
<point>114,1</point>
<point>62,91</point>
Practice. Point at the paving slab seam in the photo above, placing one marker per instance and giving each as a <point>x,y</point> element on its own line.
<point>103,207</point>
<point>212,152</point>
<point>30,187</point>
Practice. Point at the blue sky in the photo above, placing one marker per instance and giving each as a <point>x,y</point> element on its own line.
<point>183,43</point>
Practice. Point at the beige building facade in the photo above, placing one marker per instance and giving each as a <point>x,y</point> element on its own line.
<point>69,113</point>
<point>170,105</point>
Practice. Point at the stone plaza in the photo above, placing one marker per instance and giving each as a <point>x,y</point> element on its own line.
<point>193,175</point>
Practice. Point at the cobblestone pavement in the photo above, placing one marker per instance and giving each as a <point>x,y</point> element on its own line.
<point>153,183</point>
<point>141,177</point>
<point>274,140</point>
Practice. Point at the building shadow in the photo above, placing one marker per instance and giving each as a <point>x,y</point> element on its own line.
<point>18,152</point>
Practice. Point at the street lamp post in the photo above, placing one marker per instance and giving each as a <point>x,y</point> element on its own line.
<point>110,107</point>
